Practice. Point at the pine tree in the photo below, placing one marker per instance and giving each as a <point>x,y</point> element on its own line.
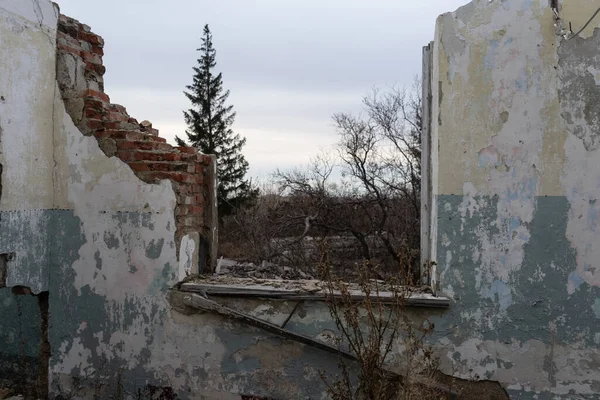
<point>209,130</point>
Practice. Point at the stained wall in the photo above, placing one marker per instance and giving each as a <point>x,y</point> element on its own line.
<point>94,245</point>
<point>94,242</point>
<point>516,182</point>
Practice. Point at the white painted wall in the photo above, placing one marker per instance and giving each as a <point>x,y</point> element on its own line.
<point>27,66</point>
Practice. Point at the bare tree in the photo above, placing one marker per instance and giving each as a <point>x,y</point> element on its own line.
<point>378,197</point>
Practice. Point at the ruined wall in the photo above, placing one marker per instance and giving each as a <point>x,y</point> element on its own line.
<point>80,74</point>
<point>93,246</point>
<point>89,239</point>
<point>516,172</point>
<point>26,67</point>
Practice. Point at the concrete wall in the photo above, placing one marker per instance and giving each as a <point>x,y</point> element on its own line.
<point>516,184</point>
<point>27,184</point>
<point>80,77</point>
<point>93,253</point>
<point>91,250</point>
<point>80,226</point>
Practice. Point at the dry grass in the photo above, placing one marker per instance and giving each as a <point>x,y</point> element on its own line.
<point>376,334</point>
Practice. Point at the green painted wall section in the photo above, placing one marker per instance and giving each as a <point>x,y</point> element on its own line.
<point>20,338</point>
<point>78,315</point>
<point>529,303</point>
<point>25,234</point>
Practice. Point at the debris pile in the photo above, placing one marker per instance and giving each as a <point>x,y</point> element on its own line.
<point>265,270</point>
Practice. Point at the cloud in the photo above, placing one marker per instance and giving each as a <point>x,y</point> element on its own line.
<point>289,64</point>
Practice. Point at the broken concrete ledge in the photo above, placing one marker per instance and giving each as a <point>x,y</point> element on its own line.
<point>310,290</point>
<point>192,303</point>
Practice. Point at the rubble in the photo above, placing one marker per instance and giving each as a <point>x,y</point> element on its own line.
<point>265,270</point>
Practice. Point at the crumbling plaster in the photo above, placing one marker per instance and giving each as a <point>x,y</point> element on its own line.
<point>27,65</point>
<point>101,242</point>
<point>515,215</point>
<point>511,248</point>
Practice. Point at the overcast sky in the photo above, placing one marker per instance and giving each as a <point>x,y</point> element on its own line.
<point>290,64</point>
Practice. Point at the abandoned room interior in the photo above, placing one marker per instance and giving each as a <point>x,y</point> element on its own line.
<point>109,234</point>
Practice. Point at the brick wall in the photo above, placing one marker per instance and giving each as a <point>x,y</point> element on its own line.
<point>80,77</point>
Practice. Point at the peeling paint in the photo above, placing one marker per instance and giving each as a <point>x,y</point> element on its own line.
<point>579,93</point>
<point>515,227</point>
<point>517,220</point>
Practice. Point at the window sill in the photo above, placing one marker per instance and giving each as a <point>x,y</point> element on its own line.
<point>301,290</point>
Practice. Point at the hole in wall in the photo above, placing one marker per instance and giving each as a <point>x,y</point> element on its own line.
<point>28,374</point>
<point>45,351</point>
<point>4,260</point>
<point>21,291</point>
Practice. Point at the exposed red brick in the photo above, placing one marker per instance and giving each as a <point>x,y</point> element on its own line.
<point>68,49</point>
<point>168,166</point>
<point>161,166</point>
<point>124,155</point>
<point>170,156</point>
<point>189,200</point>
<point>117,116</point>
<point>95,39</point>
<point>91,57</point>
<point>65,39</point>
<point>149,156</point>
<point>94,124</point>
<point>179,167</point>
<point>138,166</point>
<point>89,66</point>
<point>84,36</point>
<point>93,113</point>
<point>98,50</point>
<point>68,29</point>
<point>142,155</point>
<point>187,157</point>
<point>196,210</point>
<point>158,175</point>
<point>115,125</point>
<point>188,150</point>
<point>143,145</point>
<point>182,210</point>
<point>90,103</point>
<point>117,108</point>
<point>97,95</point>
<point>191,221</point>
<point>126,135</point>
